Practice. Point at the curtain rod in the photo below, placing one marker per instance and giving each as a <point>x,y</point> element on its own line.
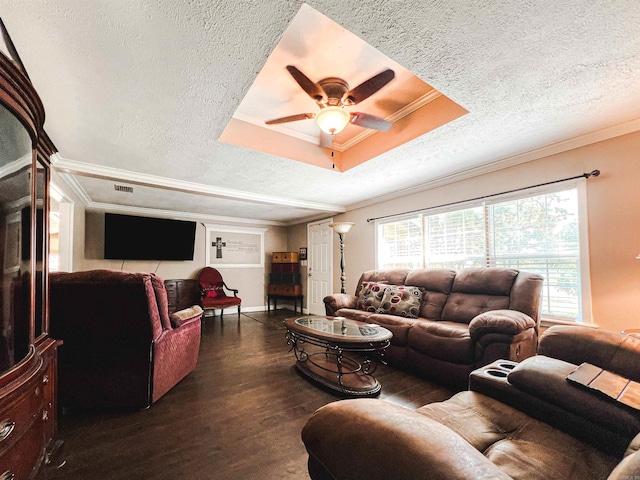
<point>593,173</point>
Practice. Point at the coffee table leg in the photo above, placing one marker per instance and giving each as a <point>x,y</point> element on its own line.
<point>339,364</point>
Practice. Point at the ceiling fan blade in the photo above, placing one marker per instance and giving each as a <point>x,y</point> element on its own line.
<point>326,139</point>
<point>291,118</point>
<point>369,121</point>
<point>314,90</point>
<point>369,87</point>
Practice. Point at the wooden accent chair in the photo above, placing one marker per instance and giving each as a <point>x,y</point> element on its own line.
<point>213,294</point>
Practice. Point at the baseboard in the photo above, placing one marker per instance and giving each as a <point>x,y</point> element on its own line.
<point>258,308</point>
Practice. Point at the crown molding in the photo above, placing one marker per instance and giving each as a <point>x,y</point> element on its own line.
<point>501,164</point>
<point>198,217</point>
<point>417,104</point>
<point>77,188</point>
<point>144,211</point>
<point>74,167</point>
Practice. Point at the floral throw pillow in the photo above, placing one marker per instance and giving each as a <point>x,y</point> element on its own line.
<point>371,294</point>
<point>401,300</point>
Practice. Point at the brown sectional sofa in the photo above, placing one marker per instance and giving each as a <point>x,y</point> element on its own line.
<point>521,421</point>
<point>466,319</point>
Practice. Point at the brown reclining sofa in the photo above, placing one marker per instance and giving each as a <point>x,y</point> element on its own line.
<point>526,421</point>
<point>464,320</point>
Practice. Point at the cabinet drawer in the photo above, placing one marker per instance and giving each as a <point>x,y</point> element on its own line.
<point>27,454</point>
<point>285,268</point>
<point>22,426</point>
<point>286,290</point>
<point>284,257</point>
<point>21,413</point>
<point>285,278</point>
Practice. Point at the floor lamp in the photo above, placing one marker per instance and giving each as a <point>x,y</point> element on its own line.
<point>341,228</point>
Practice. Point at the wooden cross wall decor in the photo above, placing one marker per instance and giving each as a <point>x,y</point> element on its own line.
<point>218,244</point>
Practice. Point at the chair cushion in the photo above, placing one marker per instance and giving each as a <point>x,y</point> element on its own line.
<point>220,302</point>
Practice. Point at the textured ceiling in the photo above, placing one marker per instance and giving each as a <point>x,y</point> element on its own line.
<point>321,48</point>
<point>141,91</point>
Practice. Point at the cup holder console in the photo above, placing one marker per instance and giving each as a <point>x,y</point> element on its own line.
<point>492,378</point>
<point>496,373</point>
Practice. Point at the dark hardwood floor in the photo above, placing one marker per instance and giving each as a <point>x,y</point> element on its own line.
<point>238,415</point>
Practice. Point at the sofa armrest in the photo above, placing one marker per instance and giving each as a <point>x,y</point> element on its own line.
<point>608,350</point>
<point>190,314</point>
<point>333,303</point>
<point>350,440</point>
<point>546,378</point>
<point>510,322</point>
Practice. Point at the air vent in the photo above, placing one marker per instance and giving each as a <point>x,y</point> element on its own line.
<point>123,188</point>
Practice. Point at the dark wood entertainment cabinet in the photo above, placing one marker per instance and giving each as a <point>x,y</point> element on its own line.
<point>28,356</point>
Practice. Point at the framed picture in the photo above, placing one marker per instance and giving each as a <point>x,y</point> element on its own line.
<point>235,247</point>
<point>302,253</point>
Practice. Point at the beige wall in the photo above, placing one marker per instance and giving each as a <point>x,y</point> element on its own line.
<point>613,215</point>
<point>88,247</point>
<point>614,229</point>
<point>249,281</point>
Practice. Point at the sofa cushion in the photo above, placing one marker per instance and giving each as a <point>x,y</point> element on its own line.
<point>399,326</point>
<point>463,307</point>
<point>354,314</point>
<point>520,446</point>
<point>371,295</point>
<point>433,279</point>
<point>432,304</point>
<point>401,300</point>
<point>394,276</point>
<point>490,281</point>
<point>443,340</point>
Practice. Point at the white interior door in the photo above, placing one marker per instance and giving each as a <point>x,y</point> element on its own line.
<point>320,267</point>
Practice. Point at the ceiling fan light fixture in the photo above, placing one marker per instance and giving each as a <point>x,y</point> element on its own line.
<point>332,120</point>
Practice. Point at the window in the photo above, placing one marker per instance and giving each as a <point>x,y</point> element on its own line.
<point>540,233</point>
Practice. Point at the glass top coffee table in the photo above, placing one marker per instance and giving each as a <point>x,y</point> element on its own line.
<point>320,343</point>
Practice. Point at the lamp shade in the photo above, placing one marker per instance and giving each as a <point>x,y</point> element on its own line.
<point>342,227</point>
<point>332,120</point>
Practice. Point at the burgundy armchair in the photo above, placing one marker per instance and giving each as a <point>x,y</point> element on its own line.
<point>121,348</point>
<point>213,294</point>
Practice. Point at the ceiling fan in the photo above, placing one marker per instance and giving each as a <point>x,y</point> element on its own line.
<point>332,94</point>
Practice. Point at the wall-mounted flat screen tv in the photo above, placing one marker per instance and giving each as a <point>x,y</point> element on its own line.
<point>128,237</point>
